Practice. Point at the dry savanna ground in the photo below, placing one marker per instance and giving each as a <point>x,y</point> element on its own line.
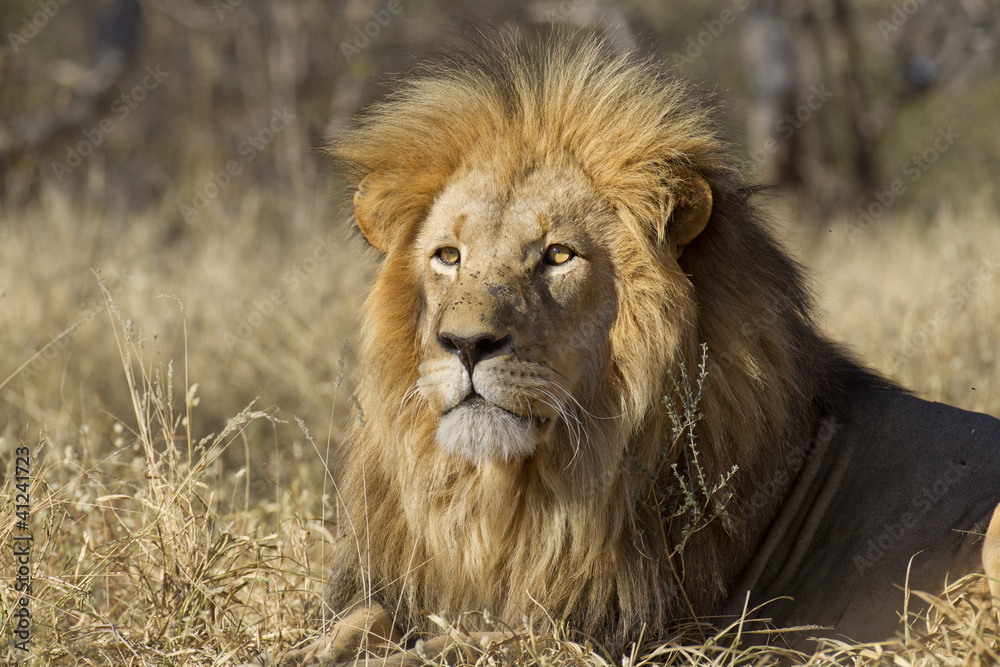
<point>177,395</point>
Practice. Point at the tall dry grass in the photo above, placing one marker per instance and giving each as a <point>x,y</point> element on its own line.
<point>173,524</point>
<point>180,512</point>
<point>918,301</point>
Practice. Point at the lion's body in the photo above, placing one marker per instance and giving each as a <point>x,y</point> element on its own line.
<point>510,452</point>
<point>899,478</point>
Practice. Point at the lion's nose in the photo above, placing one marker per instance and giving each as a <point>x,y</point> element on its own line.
<point>472,349</point>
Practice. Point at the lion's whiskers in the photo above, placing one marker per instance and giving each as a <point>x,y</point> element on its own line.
<point>579,405</point>
<point>574,425</point>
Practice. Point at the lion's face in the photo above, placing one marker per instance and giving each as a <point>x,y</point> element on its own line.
<point>518,302</point>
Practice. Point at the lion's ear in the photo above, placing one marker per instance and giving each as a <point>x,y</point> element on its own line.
<point>690,207</point>
<point>369,201</point>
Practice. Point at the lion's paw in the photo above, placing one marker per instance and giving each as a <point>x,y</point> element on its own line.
<point>364,634</point>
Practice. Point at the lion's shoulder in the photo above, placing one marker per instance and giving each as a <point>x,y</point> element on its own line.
<point>901,478</point>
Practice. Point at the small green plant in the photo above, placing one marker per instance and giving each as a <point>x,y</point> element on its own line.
<point>693,501</point>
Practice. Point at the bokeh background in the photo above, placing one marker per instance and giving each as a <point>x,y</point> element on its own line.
<point>171,150</point>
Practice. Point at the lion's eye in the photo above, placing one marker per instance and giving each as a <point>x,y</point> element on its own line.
<point>557,254</point>
<point>448,255</point>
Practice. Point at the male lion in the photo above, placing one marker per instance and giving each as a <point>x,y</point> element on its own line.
<point>561,231</point>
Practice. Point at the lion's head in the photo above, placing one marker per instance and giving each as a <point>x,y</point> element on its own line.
<point>519,304</point>
<point>524,246</point>
<point>561,229</point>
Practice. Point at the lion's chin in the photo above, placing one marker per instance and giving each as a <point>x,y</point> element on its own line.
<point>482,432</point>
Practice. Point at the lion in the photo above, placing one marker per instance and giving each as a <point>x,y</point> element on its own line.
<point>561,230</point>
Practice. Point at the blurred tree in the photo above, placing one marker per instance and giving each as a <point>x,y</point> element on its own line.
<point>827,80</point>
<point>774,85</point>
<point>802,55</point>
<point>87,87</point>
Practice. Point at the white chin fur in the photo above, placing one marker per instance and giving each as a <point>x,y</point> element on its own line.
<point>483,433</point>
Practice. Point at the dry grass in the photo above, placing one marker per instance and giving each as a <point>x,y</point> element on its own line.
<point>174,525</point>
<point>919,302</point>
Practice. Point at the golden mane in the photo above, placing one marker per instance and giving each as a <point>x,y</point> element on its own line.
<point>580,543</point>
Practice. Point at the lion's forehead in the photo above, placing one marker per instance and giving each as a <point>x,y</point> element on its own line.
<point>510,215</point>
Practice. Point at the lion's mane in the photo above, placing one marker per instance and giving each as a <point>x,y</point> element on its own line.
<point>525,541</point>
